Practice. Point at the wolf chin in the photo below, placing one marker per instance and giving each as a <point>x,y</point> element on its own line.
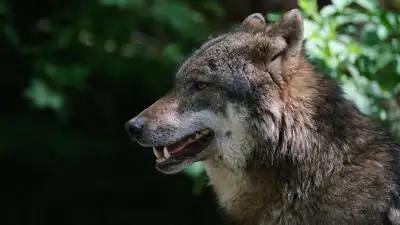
<point>280,143</point>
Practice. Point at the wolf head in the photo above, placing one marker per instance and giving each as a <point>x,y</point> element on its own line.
<point>227,96</point>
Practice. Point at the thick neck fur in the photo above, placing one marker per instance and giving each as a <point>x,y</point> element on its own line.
<point>319,135</point>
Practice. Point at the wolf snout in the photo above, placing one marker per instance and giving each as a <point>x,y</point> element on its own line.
<point>134,127</point>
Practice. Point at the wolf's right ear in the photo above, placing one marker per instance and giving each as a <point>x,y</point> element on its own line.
<point>290,28</point>
<point>254,21</point>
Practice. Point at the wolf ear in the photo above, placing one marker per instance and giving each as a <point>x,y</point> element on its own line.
<point>290,28</point>
<point>254,21</point>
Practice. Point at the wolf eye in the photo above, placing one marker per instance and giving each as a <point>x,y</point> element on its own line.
<point>200,85</point>
<point>276,56</point>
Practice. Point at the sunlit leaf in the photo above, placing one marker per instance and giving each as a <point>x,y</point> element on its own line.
<point>398,65</point>
<point>43,97</point>
<point>309,28</point>
<point>370,5</point>
<point>310,8</point>
<point>341,4</point>
<point>382,32</point>
<point>328,11</point>
<point>195,170</point>
<point>273,16</point>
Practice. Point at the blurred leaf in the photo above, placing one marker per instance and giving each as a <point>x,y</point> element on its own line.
<point>310,8</point>
<point>354,94</point>
<point>384,20</point>
<point>353,71</point>
<point>369,34</point>
<point>185,23</point>
<point>64,76</point>
<point>173,52</point>
<point>43,97</point>
<point>370,5</point>
<point>382,32</point>
<point>360,18</point>
<point>328,11</point>
<point>12,36</point>
<point>338,48</point>
<point>383,60</point>
<point>199,184</point>
<point>121,3</point>
<point>273,17</point>
<point>214,7</point>
<point>341,4</point>
<point>398,65</point>
<point>3,8</point>
<point>195,170</point>
<point>343,19</point>
<point>310,27</point>
<point>64,38</point>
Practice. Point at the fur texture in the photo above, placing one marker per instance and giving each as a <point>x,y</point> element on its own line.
<point>287,147</point>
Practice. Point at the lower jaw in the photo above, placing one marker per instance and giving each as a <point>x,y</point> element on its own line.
<point>174,166</point>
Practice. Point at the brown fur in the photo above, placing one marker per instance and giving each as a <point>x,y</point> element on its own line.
<point>346,181</point>
<point>350,182</point>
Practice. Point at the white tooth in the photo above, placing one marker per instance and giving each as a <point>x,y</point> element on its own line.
<point>160,160</point>
<point>166,153</point>
<point>157,153</point>
<point>198,135</point>
<point>205,132</point>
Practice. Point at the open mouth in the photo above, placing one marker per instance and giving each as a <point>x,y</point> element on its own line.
<point>176,156</point>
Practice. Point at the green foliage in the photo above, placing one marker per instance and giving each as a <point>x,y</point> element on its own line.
<point>145,33</point>
<point>196,171</point>
<point>360,47</point>
<point>357,46</point>
<point>42,97</point>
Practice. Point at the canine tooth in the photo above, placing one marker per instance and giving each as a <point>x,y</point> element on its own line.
<point>157,153</point>
<point>205,132</point>
<point>198,135</point>
<point>166,153</point>
<point>160,160</point>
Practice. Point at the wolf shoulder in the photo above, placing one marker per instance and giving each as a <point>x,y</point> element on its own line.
<point>393,214</point>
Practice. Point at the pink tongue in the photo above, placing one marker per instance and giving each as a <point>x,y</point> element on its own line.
<point>177,146</point>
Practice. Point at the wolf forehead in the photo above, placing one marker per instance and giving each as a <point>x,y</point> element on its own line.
<point>253,41</point>
<point>239,45</point>
<point>222,52</point>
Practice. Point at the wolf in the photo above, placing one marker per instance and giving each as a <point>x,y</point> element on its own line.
<point>279,141</point>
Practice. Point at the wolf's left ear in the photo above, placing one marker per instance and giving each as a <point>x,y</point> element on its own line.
<point>290,28</point>
<point>254,21</point>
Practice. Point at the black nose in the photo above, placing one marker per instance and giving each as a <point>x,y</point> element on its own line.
<point>134,128</point>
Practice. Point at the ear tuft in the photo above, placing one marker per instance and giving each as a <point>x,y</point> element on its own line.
<point>292,22</point>
<point>290,28</point>
<point>293,15</point>
<point>254,21</point>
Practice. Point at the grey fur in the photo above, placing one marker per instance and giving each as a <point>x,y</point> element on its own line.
<point>288,148</point>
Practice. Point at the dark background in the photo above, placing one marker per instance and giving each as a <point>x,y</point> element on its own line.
<point>72,73</point>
